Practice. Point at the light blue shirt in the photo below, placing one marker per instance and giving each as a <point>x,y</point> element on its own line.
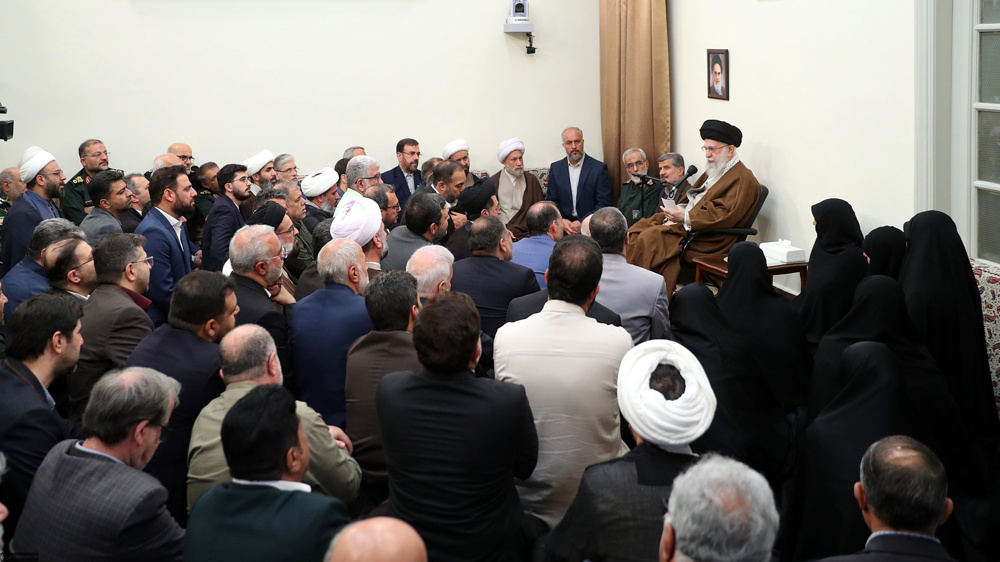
<point>533,252</point>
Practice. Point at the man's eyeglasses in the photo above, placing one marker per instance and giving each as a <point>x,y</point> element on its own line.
<point>185,158</point>
<point>411,153</point>
<point>82,264</point>
<point>375,177</point>
<point>164,430</point>
<point>290,230</point>
<point>99,154</point>
<point>713,149</point>
<point>287,170</point>
<point>148,260</point>
<point>634,165</point>
<point>281,254</point>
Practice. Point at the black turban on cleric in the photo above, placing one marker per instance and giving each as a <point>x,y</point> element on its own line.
<point>270,213</point>
<point>472,200</point>
<point>885,247</point>
<point>713,129</point>
<point>836,266</point>
<point>768,322</point>
<point>944,303</point>
<point>744,399</point>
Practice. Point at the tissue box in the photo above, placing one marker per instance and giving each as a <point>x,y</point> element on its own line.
<point>783,251</point>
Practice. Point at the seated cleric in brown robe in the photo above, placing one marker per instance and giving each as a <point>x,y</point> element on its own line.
<point>723,197</point>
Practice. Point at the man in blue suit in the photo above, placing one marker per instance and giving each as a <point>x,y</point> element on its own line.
<point>225,217</point>
<point>167,243</point>
<point>44,182</point>
<point>578,184</point>
<point>325,325</point>
<point>405,176</point>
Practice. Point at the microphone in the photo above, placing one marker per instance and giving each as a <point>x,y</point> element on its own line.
<point>692,170</point>
<point>649,179</point>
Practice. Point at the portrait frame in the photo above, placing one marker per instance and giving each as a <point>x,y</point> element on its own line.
<point>714,56</point>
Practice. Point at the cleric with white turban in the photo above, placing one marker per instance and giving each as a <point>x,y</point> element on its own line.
<point>32,163</point>
<point>457,145</point>
<point>508,146</point>
<point>319,183</point>
<point>359,220</point>
<point>671,425</point>
<point>257,162</point>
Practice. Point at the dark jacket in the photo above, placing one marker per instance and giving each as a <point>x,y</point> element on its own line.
<point>897,548</point>
<point>397,178</point>
<point>194,362</point>
<point>452,466</point>
<point>171,261</point>
<point>523,307</point>
<point>222,222</point>
<point>256,308</point>
<point>593,191</point>
<point>492,283</point>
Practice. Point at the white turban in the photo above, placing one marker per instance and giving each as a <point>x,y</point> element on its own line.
<point>257,162</point>
<point>454,146</point>
<point>33,161</point>
<point>320,182</point>
<point>669,424</point>
<point>359,220</point>
<point>508,146</point>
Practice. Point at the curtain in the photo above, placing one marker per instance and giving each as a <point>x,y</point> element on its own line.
<point>635,83</point>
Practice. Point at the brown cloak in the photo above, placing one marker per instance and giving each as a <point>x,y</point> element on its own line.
<point>518,224</point>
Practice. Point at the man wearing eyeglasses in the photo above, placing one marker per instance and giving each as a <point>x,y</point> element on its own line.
<point>362,173</point>
<point>225,217</point>
<point>114,317</point>
<point>723,197</point>
<point>640,197</point>
<point>44,181</point>
<point>70,269</point>
<point>285,168</point>
<point>76,201</point>
<point>406,176</point>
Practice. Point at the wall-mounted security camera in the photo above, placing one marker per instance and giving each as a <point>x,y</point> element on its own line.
<point>518,22</point>
<point>6,127</point>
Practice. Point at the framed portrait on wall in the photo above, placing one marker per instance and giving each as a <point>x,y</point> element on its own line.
<point>718,74</point>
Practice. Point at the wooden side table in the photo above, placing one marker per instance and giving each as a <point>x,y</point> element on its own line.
<point>717,265</point>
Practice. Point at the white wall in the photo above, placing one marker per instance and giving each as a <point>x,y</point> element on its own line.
<point>309,77</point>
<point>824,95</point>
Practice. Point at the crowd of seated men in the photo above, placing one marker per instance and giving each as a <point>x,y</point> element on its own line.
<point>240,361</point>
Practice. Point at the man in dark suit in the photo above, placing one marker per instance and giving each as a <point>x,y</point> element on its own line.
<point>489,277</point>
<point>406,176</point>
<point>426,221</point>
<point>452,466</point>
<point>27,278</point>
<point>44,343</point>
<point>90,499</point>
<point>477,201</point>
<point>618,511</point>
<point>903,498</point>
<point>392,304</point>
<point>139,186</point>
<point>578,184</point>
<point>523,307</point>
<point>114,317</point>
<point>44,182</point>
<point>257,258</point>
<point>320,340</point>
<point>202,310</point>
<point>167,242</point>
<point>225,217</point>
<point>266,512</point>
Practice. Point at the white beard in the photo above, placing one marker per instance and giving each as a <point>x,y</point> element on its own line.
<point>518,172</point>
<point>714,170</point>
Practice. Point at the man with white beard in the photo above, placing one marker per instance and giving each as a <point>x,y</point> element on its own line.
<point>723,197</point>
<point>516,191</point>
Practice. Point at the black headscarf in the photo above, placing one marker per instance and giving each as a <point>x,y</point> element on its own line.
<point>879,315</point>
<point>822,518</point>
<point>767,322</point>
<point>885,247</point>
<point>836,265</point>
<point>742,393</point>
<point>943,300</point>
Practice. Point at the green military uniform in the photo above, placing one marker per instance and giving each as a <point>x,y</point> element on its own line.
<point>76,196</point>
<point>640,200</point>
<point>306,255</point>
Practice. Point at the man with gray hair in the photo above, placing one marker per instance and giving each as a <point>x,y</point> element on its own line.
<point>320,340</point>
<point>903,496</point>
<point>639,296</point>
<point>432,267</point>
<point>12,187</point>
<point>640,196</point>
<point>105,505</point>
<point>284,166</point>
<point>672,171</point>
<point>362,173</point>
<point>719,509</point>
<point>257,258</point>
<point>27,278</point>
<point>352,151</point>
<point>249,358</point>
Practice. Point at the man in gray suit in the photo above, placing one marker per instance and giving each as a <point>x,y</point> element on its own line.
<point>638,295</point>
<point>425,222</point>
<point>111,200</point>
<point>114,317</point>
<point>90,499</point>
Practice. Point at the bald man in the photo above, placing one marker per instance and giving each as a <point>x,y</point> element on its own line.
<point>182,151</point>
<point>12,186</point>
<point>377,539</point>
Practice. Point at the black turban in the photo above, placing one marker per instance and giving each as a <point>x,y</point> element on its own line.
<point>270,214</point>
<point>474,199</point>
<point>713,129</point>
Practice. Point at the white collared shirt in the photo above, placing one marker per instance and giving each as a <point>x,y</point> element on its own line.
<point>409,182</point>
<point>285,485</point>
<point>174,223</point>
<point>574,179</point>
